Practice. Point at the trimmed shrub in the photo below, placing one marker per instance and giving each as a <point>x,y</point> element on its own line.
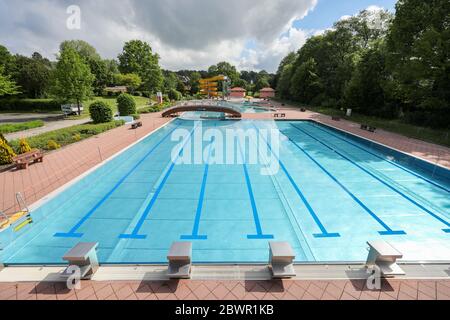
<point>24,146</point>
<point>6,153</point>
<point>126,104</point>
<point>52,145</point>
<point>100,112</point>
<point>136,116</point>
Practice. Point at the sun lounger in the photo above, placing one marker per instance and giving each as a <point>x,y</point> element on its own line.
<point>371,129</point>
<point>384,256</point>
<point>282,260</point>
<point>84,256</point>
<point>335,118</point>
<point>180,260</point>
<point>23,160</point>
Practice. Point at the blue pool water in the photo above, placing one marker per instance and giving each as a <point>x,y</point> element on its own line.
<point>331,194</point>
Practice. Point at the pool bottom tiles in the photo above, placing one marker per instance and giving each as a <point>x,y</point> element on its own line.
<point>329,197</point>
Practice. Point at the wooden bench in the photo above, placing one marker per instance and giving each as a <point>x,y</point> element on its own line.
<point>384,256</point>
<point>23,160</point>
<point>136,125</point>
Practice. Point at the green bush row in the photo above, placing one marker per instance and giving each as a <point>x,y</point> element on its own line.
<point>16,127</point>
<point>66,136</point>
<point>33,105</point>
<point>155,108</point>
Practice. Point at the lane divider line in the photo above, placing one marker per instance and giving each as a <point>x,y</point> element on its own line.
<point>73,232</point>
<point>259,232</point>
<point>198,214</point>
<point>446,230</point>
<point>387,231</point>
<point>135,233</point>
<point>324,233</point>
<point>387,160</point>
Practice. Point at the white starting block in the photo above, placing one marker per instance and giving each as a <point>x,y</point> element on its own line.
<point>384,256</point>
<point>180,260</point>
<point>282,260</point>
<point>84,256</point>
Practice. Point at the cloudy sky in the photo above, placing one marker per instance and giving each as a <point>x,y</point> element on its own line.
<point>187,34</point>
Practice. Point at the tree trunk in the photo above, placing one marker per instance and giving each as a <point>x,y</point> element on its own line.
<point>79,108</point>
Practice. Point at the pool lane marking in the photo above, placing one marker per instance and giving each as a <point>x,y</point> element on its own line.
<point>73,232</point>
<point>388,230</point>
<point>324,233</point>
<point>387,160</point>
<point>198,214</point>
<point>135,233</point>
<point>259,232</point>
<point>446,230</point>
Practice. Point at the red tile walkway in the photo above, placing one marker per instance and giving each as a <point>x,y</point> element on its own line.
<point>230,290</point>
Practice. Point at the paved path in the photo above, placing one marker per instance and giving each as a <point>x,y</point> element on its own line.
<point>230,290</point>
<point>24,117</point>
<point>48,126</point>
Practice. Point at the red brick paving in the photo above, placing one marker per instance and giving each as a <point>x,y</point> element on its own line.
<point>230,290</point>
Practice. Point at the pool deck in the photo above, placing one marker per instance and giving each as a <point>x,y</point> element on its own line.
<point>229,290</point>
<point>62,166</point>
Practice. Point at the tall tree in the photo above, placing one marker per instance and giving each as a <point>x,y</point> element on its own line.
<point>137,57</point>
<point>419,45</point>
<point>103,70</point>
<point>33,74</point>
<point>305,83</point>
<point>73,78</point>
<point>7,86</point>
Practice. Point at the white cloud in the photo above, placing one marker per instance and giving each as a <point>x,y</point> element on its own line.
<point>185,33</point>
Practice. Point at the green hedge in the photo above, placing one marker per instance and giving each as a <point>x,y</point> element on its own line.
<point>29,105</point>
<point>156,108</point>
<point>67,136</point>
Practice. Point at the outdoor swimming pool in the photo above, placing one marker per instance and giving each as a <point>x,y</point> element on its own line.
<point>331,193</point>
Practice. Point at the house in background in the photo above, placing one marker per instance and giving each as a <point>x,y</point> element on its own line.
<point>266,93</point>
<point>237,92</point>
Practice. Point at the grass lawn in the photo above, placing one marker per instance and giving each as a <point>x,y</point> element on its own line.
<point>141,103</point>
<point>437,136</point>
<point>16,127</point>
